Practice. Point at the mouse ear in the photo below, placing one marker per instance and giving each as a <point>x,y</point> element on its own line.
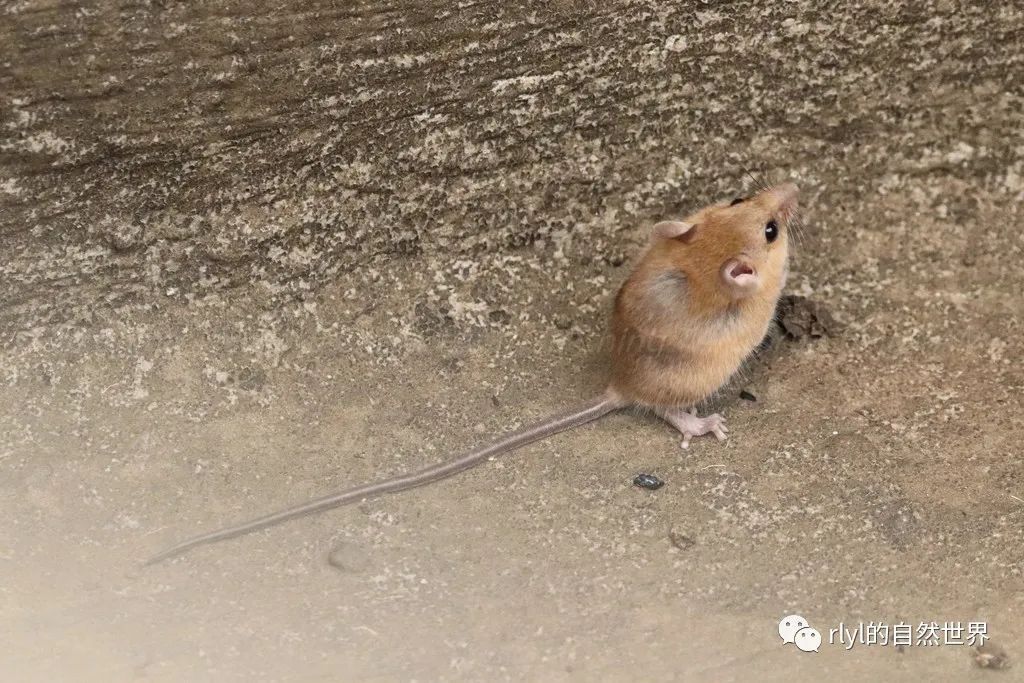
<point>675,230</point>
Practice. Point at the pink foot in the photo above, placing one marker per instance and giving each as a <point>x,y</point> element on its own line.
<point>690,425</point>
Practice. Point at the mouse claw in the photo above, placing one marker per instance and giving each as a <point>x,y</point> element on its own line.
<point>690,425</point>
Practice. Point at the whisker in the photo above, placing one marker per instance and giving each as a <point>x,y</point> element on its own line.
<point>758,183</point>
<point>797,230</point>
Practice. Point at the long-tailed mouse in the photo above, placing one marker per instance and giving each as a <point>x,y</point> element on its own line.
<point>698,302</point>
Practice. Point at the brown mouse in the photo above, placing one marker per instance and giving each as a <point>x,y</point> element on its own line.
<point>698,302</point>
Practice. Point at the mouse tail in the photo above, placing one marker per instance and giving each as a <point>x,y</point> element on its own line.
<point>588,412</point>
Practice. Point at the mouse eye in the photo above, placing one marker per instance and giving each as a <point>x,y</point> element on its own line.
<point>738,200</point>
<point>771,231</point>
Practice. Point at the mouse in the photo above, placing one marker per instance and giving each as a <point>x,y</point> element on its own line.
<point>697,303</point>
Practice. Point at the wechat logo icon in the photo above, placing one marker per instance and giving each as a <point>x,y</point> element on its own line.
<point>795,629</point>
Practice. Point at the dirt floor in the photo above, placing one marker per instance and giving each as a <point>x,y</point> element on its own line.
<point>152,387</point>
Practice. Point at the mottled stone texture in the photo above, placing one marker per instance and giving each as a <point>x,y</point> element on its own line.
<point>169,149</point>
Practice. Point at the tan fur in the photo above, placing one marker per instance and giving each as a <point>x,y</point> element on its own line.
<point>679,331</point>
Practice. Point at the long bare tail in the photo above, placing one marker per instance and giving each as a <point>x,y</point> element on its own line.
<point>588,412</point>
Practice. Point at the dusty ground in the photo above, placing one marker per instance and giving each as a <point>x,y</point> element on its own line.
<point>250,256</point>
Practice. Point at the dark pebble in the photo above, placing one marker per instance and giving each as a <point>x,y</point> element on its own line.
<point>349,558</point>
<point>747,396</point>
<point>648,481</point>
<point>681,541</point>
<point>500,316</point>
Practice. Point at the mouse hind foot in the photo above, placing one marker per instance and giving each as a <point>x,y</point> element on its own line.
<point>689,425</point>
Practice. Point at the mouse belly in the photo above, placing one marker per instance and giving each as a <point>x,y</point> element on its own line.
<point>658,384</point>
<point>660,374</point>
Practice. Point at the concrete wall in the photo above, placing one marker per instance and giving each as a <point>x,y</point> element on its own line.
<point>166,149</point>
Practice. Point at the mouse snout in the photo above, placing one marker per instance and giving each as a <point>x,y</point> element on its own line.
<point>786,196</point>
<point>740,274</point>
<point>786,191</point>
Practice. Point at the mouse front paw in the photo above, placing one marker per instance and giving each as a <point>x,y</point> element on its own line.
<point>690,425</point>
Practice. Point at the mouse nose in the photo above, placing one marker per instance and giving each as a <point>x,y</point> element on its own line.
<point>786,195</point>
<point>786,190</point>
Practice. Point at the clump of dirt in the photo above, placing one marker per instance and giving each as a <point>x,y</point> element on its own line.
<point>801,317</point>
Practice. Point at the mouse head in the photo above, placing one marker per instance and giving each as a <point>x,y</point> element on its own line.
<point>735,249</point>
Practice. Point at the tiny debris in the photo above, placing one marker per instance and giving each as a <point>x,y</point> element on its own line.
<point>428,318</point>
<point>990,656</point>
<point>648,481</point>
<point>562,322</point>
<point>499,316</point>
<point>124,237</point>
<point>800,317</point>
<point>349,558</point>
<point>747,396</point>
<point>251,378</point>
<point>681,541</point>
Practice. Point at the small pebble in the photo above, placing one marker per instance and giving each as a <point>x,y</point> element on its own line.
<point>562,322</point>
<point>349,558</point>
<point>991,656</point>
<point>648,481</point>
<point>500,316</point>
<point>681,541</point>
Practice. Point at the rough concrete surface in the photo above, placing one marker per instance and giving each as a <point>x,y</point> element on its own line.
<point>253,252</point>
